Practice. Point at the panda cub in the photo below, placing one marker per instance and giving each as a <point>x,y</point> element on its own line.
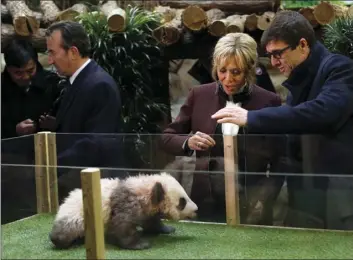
<point>137,201</point>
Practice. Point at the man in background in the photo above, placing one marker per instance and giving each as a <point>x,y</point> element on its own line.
<point>90,109</point>
<point>27,90</point>
<point>320,104</point>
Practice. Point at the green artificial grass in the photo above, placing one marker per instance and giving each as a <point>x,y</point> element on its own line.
<point>28,238</point>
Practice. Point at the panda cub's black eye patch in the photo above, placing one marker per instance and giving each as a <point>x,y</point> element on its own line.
<point>182,203</point>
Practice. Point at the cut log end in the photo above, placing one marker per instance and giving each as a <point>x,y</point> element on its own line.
<point>233,28</point>
<point>326,12</point>
<point>116,20</point>
<point>251,22</point>
<point>25,25</point>
<point>265,20</point>
<point>217,28</point>
<point>166,35</point>
<point>235,23</point>
<point>116,23</point>
<point>194,18</point>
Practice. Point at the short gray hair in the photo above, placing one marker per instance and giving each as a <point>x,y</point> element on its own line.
<point>239,45</point>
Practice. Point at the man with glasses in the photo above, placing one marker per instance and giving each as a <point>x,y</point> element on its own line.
<point>27,90</point>
<point>320,104</point>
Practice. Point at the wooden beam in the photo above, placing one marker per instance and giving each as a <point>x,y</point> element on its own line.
<point>45,172</point>
<point>92,208</point>
<point>231,179</point>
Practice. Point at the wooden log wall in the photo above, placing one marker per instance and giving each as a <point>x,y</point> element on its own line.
<point>181,21</point>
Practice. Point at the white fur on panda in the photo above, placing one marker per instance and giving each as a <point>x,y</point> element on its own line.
<point>72,207</point>
<point>69,221</point>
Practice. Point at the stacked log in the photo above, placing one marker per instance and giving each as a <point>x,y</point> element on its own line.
<point>180,20</point>
<point>24,20</point>
<point>240,6</point>
<point>194,18</point>
<point>50,11</point>
<point>326,12</point>
<point>38,39</point>
<point>265,20</point>
<point>115,16</point>
<point>214,27</point>
<point>169,32</point>
<point>18,20</point>
<point>308,13</point>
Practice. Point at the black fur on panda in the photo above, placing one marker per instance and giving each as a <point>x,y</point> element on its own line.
<point>137,201</point>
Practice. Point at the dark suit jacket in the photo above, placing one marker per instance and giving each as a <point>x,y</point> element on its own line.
<point>91,106</point>
<point>320,104</point>
<point>254,152</point>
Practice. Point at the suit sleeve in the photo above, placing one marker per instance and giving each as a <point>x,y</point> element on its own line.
<point>103,115</point>
<point>176,134</point>
<point>328,111</point>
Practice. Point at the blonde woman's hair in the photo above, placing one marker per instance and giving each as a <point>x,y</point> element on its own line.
<point>240,46</point>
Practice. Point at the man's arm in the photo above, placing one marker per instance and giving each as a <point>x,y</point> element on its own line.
<point>332,107</point>
<point>103,116</point>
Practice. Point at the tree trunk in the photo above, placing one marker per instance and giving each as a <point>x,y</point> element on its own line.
<point>326,12</point>
<point>264,21</point>
<point>239,6</point>
<point>194,18</point>
<point>50,11</point>
<point>8,33</point>
<point>213,16</point>
<point>115,16</point>
<point>169,33</point>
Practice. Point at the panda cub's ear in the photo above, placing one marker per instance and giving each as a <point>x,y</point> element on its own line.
<point>158,193</point>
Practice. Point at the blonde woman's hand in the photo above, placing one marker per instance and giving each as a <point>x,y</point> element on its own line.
<point>201,142</point>
<point>235,115</point>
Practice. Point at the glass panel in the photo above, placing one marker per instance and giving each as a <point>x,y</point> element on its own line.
<point>279,180</point>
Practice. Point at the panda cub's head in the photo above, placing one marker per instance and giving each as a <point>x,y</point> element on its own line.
<point>169,198</point>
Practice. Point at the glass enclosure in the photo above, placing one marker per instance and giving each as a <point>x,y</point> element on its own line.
<point>255,180</point>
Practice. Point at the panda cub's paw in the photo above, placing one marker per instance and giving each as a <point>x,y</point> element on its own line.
<point>158,229</point>
<point>142,244</point>
<point>167,229</point>
<point>136,245</point>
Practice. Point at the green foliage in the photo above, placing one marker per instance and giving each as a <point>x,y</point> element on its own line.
<point>133,58</point>
<point>338,36</point>
<point>300,4</point>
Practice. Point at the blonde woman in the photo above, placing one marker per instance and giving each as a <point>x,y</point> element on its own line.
<point>234,72</point>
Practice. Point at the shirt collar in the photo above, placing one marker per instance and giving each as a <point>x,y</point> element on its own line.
<point>73,77</point>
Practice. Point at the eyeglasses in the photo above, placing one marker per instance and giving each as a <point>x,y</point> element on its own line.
<point>277,54</point>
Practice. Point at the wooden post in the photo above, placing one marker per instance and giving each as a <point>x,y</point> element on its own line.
<point>46,172</point>
<point>92,208</point>
<point>231,179</point>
